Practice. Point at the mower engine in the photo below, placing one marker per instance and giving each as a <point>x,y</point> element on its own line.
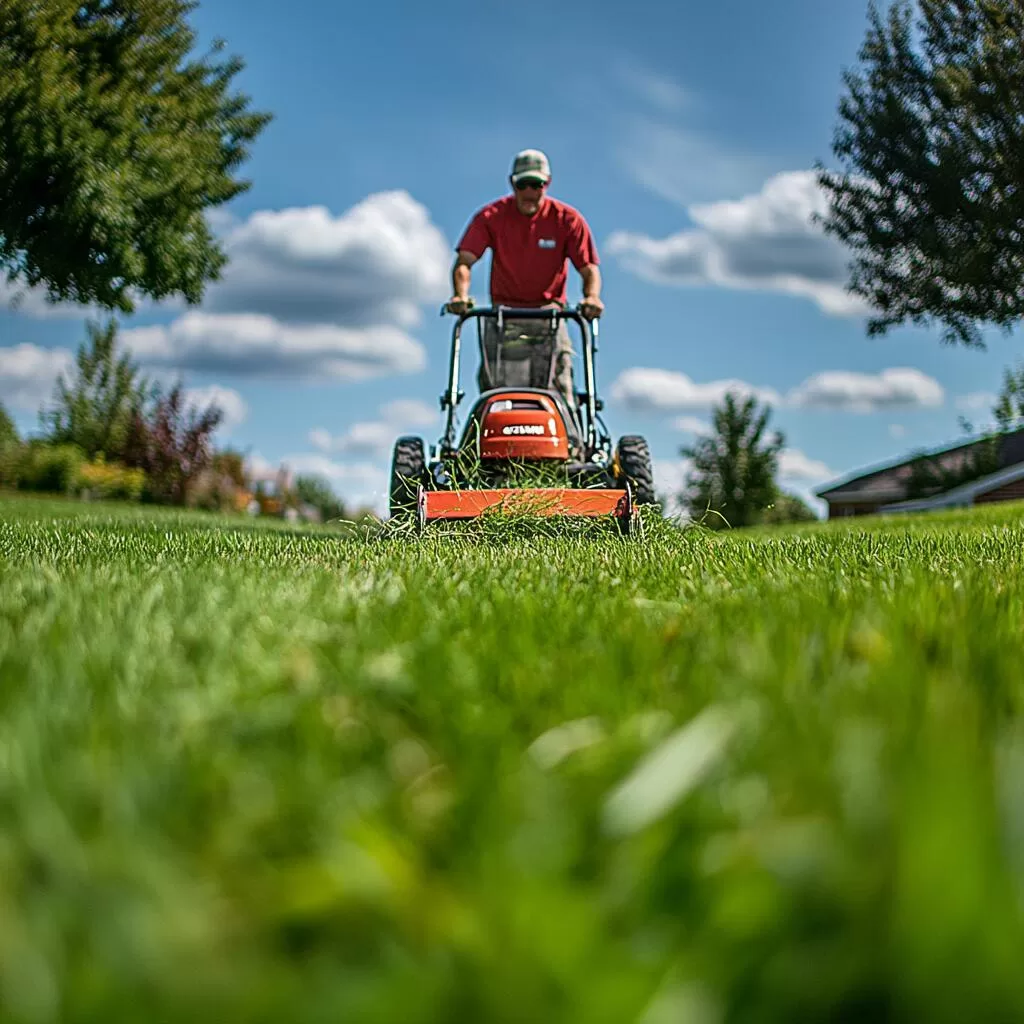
<point>523,426</point>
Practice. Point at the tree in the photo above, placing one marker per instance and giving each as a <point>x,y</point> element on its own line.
<point>314,490</point>
<point>10,450</point>
<point>8,431</point>
<point>734,467</point>
<point>1009,408</point>
<point>96,410</point>
<point>114,142</point>
<point>933,474</point>
<point>788,508</point>
<point>931,197</point>
<point>172,444</point>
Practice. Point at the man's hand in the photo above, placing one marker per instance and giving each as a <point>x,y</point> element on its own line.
<point>591,307</point>
<point>459,304</point>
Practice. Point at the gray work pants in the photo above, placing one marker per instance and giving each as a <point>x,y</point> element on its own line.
<point>533,355</point>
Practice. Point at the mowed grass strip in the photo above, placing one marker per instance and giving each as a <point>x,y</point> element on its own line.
<point>256,772</point>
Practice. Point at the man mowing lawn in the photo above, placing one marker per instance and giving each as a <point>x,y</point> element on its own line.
<point>531,235</point>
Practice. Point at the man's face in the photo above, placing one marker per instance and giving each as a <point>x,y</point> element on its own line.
<point>529,192</point>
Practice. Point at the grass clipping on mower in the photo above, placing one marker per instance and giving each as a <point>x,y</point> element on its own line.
<point>522,515</point>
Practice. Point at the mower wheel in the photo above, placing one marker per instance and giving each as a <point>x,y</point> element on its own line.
<point>634,458</point>
<point>408,468</point>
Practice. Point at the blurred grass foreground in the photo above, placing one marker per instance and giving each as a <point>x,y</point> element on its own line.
<point>253,772</point>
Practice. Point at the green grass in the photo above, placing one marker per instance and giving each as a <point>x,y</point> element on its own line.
<point>264,773</point>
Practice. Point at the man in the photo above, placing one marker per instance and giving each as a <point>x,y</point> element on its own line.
<point>530,235</point>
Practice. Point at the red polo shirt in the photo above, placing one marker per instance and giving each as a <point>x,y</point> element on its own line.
<point>529,253</point>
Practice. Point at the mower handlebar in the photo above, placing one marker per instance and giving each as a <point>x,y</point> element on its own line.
<point>450,399</point>
<point>516,313</point>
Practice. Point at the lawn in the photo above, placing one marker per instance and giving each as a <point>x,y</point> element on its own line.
<point>266,773</point>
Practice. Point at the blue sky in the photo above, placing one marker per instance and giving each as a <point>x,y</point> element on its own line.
<point>685,133</point>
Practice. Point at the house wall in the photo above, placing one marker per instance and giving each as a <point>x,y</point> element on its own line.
<point>841,510</point>
<point>1008,492</point>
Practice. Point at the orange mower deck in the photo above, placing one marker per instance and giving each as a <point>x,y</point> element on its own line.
<point>537,501</point>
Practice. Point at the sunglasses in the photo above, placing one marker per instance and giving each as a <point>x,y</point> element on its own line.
<point>529,183</point>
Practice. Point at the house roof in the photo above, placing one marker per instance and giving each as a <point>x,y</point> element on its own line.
<point>888,482</point>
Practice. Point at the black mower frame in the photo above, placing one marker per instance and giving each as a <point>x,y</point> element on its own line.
<point>587,399</point>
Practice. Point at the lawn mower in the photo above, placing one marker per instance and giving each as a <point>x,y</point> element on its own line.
<point>524,449</point>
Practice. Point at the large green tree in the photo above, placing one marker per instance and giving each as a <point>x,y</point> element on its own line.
<point>732,481</point>
<point>930,197</point>
<point>94,407</point>
<point>8,431</point>
<point>114,143</point>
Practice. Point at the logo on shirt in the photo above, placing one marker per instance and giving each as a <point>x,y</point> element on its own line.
<point>546,243</point>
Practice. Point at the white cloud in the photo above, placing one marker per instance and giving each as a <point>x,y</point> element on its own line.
<point>376,263</point>
<point>259,346</point>
<point>369,438</point>
<point>692,425</point>
<point>650,389</point>
<point>794,465</point>
<point>656,390</point>
<point>680,164</point>
<point>764,241</point>
<point>844,390</point>
<point>321,439</point>
<point>977,401</point>
<point>669,481</point>
<point>231,403</point>
<point>336,472</point>
<point>18,297</point>
<point>376,437</point>
<point>308,295</point>
<point>410,412</point>
<point>652,87</point>
<point>662,133</point>
<point>260,469</point>
<point>32,301</point>
<point>897,430</point>
<point>28,374</point>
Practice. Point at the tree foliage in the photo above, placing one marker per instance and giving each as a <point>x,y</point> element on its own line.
<point>114,142</point>
<point>172,443</point>
<point>787,508</point>
<point>314,490</point>
<point>1009,408</point>
<point>97,408</point>
<point>8,431</point>
<point>930,200</point>
<point>734,467</point>
<point>934,474</point>
<point>108,411</point>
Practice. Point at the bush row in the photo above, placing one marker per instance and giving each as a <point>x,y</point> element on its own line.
<point>64,469</point>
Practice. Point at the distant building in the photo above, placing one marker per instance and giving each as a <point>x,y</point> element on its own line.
<point>889,488</point>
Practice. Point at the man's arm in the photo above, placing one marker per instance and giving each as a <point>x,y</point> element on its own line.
<point>462,275</point>
<point>583,253</point>
<point>591,277</point>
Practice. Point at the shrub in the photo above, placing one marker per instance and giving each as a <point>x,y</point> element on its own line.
<point>172,444</point>
<point>12,455</point>
<point>50,468</point>
<point>111,481</point>
<point>788,508</point>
